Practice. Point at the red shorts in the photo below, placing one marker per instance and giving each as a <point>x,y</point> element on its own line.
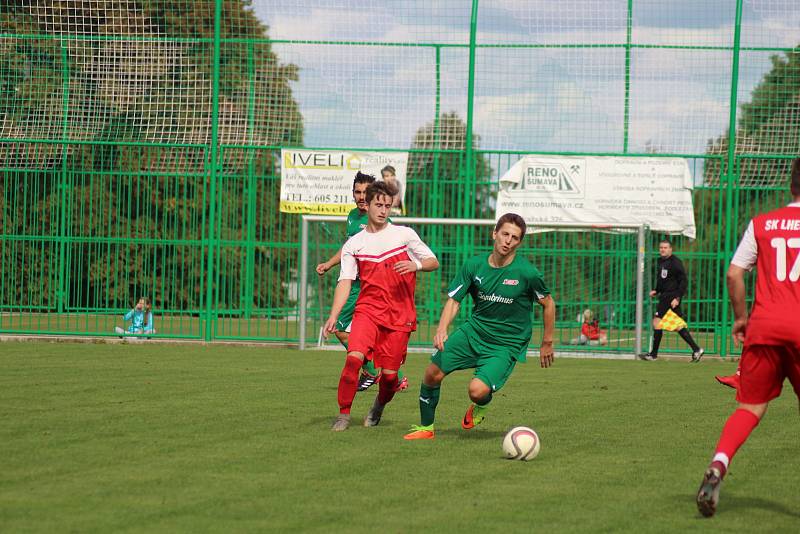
<point>386,347</point>
<point>763,370</point>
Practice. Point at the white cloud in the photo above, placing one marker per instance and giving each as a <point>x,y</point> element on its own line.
<point>528,99</point>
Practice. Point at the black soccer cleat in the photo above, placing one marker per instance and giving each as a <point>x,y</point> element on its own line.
<point>366,381</point>
<point>708,494</point>
<point>648,357</point>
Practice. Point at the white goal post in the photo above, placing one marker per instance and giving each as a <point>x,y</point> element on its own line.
<point>304,257</point>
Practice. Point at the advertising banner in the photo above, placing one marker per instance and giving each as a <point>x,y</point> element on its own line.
<point>321,181</point>
<point>600,191</point>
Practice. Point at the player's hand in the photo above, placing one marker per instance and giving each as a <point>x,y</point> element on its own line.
<point>546,354</point>
<point>322,268</point>
<point>330,327</point>
<point>653,293</point>
<point>439,339</point>
<point>674,303</point>
<point>405,267</point>
<point>738,331</point>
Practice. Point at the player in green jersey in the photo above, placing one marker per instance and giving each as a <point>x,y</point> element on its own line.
<point>504,288</point>
<point>356,221</point>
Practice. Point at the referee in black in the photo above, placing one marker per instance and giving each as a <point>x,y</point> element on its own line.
<point>671,284</point>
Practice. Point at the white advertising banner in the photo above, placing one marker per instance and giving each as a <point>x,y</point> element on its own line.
<point>321,181</point>
<point>600,191</point>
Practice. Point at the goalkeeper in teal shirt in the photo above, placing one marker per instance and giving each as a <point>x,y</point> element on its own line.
<point>357,221</point>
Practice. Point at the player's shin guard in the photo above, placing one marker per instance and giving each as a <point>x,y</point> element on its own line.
<point>687,337</point>
<point>735,432</point>
<point>348,383</point>
<point>428,399</point>
<point>387,386</point>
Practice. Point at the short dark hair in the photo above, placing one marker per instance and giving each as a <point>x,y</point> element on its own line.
<point>362,178</point>
<point>388,168</point>
<point>795,187</point>
<point>665,240</point>
<point>512,218</point>
<point>380,188</point>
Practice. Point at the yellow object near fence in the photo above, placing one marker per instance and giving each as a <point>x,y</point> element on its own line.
<point>672,322</point>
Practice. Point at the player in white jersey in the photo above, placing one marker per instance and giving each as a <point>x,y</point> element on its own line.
<point>385,257</point>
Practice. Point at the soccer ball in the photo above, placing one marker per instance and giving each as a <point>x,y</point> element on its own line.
<point>521,443</point>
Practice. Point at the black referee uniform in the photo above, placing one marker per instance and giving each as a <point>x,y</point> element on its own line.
<point>671,283</point>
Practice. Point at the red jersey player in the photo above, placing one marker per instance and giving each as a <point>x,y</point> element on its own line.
<point>771,350</point>
<point>385,257</point>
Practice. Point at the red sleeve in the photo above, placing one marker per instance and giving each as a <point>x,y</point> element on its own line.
<point>592,331</point>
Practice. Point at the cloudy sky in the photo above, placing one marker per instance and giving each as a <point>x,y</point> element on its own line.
<point>543,98</point>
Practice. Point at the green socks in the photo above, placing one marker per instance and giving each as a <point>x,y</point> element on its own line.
<point>369,368</point>
<point>428,399</point>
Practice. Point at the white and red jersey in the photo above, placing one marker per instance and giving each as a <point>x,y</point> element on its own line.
<point>771,243</point>
<point>386,296</point>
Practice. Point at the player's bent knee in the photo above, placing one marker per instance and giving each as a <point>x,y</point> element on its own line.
<point>756,409</point>
<point>356,354</point>
<point>478,390</point>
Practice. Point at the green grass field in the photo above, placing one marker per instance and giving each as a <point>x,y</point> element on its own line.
<point>153,437</point>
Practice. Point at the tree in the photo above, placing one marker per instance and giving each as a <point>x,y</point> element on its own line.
<point>155,88</point>
<point>768,124</point>
<point>438,173</point>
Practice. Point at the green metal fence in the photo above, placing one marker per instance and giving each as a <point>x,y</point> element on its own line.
<point>140,144</point>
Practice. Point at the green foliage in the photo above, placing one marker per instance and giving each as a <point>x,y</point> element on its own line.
<point>768,124</point>
<point>143,75</point>
<point>438,174</point>
<point>777,91</point>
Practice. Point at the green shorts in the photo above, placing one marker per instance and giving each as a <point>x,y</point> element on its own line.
<point>493,364</point>
<point>346,315</point>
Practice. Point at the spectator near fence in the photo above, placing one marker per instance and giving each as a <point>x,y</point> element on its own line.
<point>141,318</point>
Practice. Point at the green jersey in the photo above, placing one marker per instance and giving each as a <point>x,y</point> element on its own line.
<point>503,299</point>
<point>356,221</point>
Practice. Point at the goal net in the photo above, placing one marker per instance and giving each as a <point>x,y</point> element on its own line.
<point>602,271</point>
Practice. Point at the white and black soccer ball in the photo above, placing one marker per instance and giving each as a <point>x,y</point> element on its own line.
<point>521,443</point>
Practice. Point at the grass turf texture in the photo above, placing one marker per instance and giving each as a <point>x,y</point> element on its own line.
<point>155,437</point>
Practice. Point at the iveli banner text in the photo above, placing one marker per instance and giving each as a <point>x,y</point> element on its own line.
<point>321,181</point>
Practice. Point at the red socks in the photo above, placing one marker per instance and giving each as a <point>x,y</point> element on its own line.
<point>735,432</point>
<point>348,383</point>
<point>388,385</point>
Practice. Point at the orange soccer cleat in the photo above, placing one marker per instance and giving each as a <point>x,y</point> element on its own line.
<point>420,432</point>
